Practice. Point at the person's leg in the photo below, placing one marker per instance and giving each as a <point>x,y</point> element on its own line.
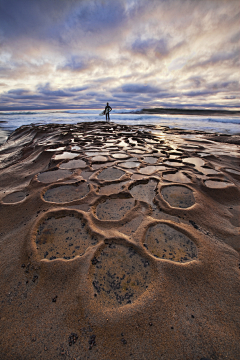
<point>106,116</point>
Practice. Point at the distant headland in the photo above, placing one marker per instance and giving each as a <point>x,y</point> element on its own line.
<point>177,111</point>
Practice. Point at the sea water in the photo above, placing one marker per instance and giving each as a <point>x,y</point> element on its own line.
<point>11,120</point>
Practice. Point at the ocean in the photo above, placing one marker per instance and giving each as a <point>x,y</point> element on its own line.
<point>11,120</point>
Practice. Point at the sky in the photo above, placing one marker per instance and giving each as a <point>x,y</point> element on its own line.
<point>134,54</point>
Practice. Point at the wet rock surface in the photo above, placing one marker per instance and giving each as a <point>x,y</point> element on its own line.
<point>118,242</point>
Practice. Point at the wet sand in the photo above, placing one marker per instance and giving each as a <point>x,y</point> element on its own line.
<point>119,242</point>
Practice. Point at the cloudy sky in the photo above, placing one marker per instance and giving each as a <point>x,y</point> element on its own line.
<point>131,53</point>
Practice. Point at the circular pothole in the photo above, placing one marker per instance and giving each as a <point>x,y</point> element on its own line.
<point>63,235</point>
<point>66,193</point>
<point>165,242</point>
<point>119,275</point>
<point>178,196</point>
<point>14,197</point>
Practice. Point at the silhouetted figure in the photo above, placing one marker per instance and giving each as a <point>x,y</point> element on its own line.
<point>107,111</point>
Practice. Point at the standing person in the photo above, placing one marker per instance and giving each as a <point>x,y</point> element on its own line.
<point>107,111</point>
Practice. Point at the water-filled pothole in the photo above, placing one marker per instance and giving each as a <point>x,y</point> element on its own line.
<point>57,149</point>
<point>195,161</point>
<point>174,163</point>
<point>111,174</point>
<point>75,147</point>
<point>150,159</point>
<point>114,208</point>
<point>164,242</point>
<point>53,175</point>
<point>215,184</point>
<point>64,155</point>
<point>120,156</point>
<point>136,151</point>
<point>66,193</point>
<point>177,177</point>
<point>199,165</point>
<point>99,159</point>
<point>63,236</point>
<point>96,153</point>
<point>149,170</point>
<point>144,191</point>
<point>73,164</point>
<point>208,171</point>
<point>130,164</point>
<point>119,275</point>
<point>178,196</point>
<point>14,197</point>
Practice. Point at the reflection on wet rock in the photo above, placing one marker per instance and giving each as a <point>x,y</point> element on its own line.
<point>66,193</point>
<point>130,164</point>
<point>150,159</point>
<point>232,171</point>
<point>164,242</point>
<point>63,236</point>
<point>99,159</point>
<point>217,184</point>
<point>65,155</point>
<point>120,156</point>
<point>96,153</point>
<point>149,170</point>
<point>178,196</point>
<point>199,165</point>
<point>173,163</point>
<point>177,177</point>
<point>197,162</point>
<point>119,275</point>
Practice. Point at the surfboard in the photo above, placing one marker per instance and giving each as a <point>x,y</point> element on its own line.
<point>104,113</point>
